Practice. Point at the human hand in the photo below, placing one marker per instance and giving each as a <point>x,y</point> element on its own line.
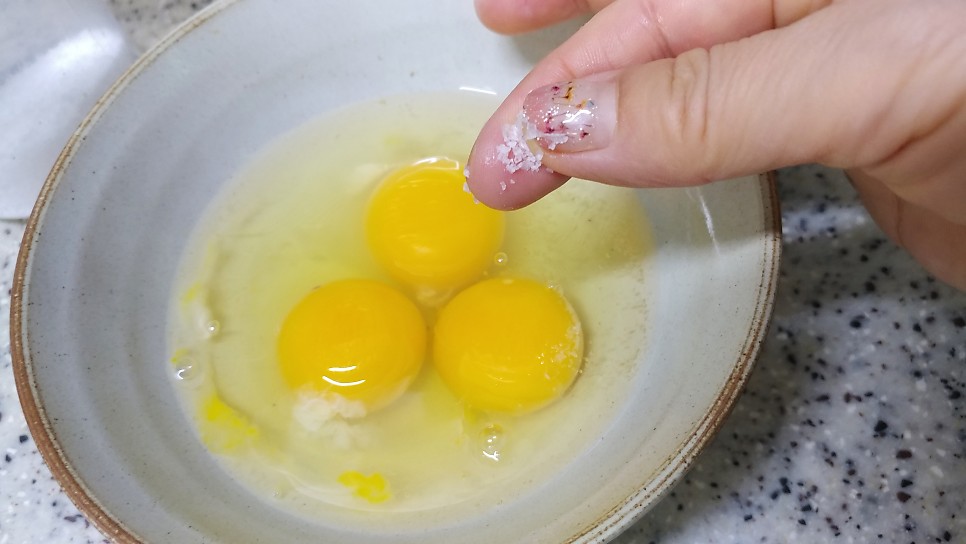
<point>653,93</point>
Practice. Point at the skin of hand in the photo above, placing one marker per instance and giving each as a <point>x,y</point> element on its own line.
<point>655,93</point>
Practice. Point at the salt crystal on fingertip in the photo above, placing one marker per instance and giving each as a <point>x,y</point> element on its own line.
<point>515,152</point>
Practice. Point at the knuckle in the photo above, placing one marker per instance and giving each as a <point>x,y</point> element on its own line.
<point>687,117</point>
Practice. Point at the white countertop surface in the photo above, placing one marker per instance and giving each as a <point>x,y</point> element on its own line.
<point>852,427</point>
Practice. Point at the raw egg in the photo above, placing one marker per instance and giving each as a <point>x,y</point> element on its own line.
<point>427,231</point>
<point>359,342</point>
<point>508,345</point>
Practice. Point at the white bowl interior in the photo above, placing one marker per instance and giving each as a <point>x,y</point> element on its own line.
<point>117,212</point>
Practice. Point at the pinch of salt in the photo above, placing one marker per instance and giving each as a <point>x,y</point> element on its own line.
<point>514,152</point>
<point>553,140</point>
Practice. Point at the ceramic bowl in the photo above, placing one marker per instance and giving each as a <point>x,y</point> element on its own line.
<point>100,252</point>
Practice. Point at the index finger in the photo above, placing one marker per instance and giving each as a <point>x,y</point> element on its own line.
<point>515,16</point>
<point>623,33</point>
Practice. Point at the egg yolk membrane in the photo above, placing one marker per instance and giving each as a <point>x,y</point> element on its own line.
<point>352,340</point>
<point>427,231</point>
<point>508,345</point>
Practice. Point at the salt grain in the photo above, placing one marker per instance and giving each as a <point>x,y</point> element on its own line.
<point>514,152</point>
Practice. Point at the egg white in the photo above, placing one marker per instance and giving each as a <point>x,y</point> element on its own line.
<point>293,220</point>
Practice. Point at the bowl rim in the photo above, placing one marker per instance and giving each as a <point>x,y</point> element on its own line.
<point>34,412</point>
<point>635,506</point>
<point>606,527</point>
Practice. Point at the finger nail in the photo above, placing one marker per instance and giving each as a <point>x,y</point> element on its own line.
<point>573,116</point>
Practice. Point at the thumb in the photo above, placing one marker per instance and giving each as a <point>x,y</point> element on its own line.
<point>823,89</point>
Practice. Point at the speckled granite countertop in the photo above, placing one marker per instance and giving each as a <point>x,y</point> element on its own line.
<point>852,427</point>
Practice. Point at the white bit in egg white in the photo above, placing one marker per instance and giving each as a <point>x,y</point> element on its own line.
<point>313,410</point>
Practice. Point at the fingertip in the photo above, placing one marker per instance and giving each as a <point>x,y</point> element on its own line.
<point>514,192</point>
<point>497,16</point>
<point>491,180</point>
<point>516,16</point>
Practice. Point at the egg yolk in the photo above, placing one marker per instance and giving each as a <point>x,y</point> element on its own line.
<point>427,231</point>
<point>359,339</point>
<point>508,345</point>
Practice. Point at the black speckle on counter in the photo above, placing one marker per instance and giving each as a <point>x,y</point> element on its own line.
<point>880,426</point>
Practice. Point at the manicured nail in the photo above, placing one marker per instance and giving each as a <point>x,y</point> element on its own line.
<point>573,116</point>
